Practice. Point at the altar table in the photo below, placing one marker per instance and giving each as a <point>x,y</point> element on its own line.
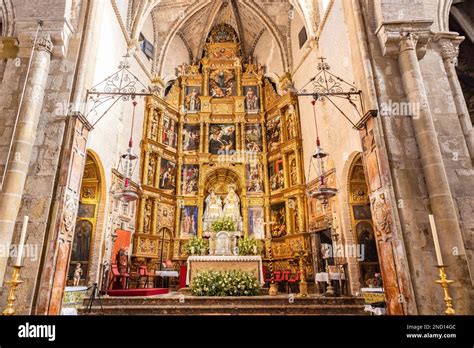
<point>252,264</point>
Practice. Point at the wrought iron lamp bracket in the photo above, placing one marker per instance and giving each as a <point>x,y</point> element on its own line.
<point>121,85</point>
<point>328,86</point>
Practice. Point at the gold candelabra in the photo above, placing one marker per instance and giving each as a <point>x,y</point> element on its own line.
<point>445,282</point>
<point>301,258</point>
<point>14,282</point>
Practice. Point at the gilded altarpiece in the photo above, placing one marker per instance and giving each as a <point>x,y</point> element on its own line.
<point>230,126</point>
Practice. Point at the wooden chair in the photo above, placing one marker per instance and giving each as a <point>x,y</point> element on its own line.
<point>293,281</point>
<point>123,278</point>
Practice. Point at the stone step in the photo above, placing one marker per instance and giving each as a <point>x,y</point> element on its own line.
<point>226,310</point>
<point>256,305</point>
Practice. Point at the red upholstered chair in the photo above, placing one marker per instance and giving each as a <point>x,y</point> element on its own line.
<point>117,276</point>
<point>285,277</point>
<point>182,276</point>
<point>145,273</point>
<point>293,281</point>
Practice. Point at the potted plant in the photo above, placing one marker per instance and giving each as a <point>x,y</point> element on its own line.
<point>225,224</point>
<point>249,246</point>
<point>195,246</point>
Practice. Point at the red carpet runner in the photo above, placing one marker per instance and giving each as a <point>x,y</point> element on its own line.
<point>138,292</point>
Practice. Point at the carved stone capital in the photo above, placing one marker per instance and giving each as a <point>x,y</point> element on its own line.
<point>45,44</point>
<point>397,36</point>
<point>448,43</point>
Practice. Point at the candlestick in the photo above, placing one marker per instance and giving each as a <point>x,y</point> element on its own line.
<point>436,240</point>
<point>9,310</point>
<point>22,241</point>
<point>445,282</point>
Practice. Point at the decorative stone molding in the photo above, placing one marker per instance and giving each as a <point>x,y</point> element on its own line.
<point>394,36</point>
<point>448,43</point>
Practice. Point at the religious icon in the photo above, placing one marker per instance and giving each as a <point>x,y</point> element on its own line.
<point>232,205</point>
<point>151,170</point>
<point>273,133</point>
<point>291,126</point>
<point>275,171</point>
<point>191,137</point>
<point>222,83</point>
<point>169,135</point>
<point>86,211</point>
<point>154,125</point>
<point>192,101</point>
<point>278,218</point>
<point>365,233</point>
<point>293,171</point>
<point>147,217</point>
<point>362,212</point>
<point>222,139</point>
<point>252,100</point>
<point>168,175</point>
<point>254,177</point>
<point>256,223</point>
<point>253,137</point>
<point>82,241</point>
<point>190,179</point>
<point>77,274</point>
<point>189,221</point>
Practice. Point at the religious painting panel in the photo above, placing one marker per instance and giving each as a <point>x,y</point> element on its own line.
<point>168,176</point>
<point>165,215</point>
<point>86,211</point>
<point>274,133</point>
<point>254,177</point>
<point>366,238</point>
<point>222,83</point>
<point>222,138</point>
<point>253,137</point>
<point>190,179</point>
<point>256,223</point>
<point>362,212</point>
<point>252,99</point>
<point>79,262</point>
<point>278,219</point>
<point>189,221</point>
<point>169,134</point>
<point>191,137</point>
<point>275,172</point>
<point>192,101</point>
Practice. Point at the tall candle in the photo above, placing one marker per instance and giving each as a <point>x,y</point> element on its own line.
<point>22,241</point>
<point>436,241</point>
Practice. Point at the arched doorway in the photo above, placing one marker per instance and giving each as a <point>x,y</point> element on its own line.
<point>362,225</point>
<point>86,223</point>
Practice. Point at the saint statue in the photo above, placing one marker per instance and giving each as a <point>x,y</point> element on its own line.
<point>213,207</point>
<point>232,205</point>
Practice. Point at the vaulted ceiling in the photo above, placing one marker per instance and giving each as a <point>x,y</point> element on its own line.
<point>192,21</point>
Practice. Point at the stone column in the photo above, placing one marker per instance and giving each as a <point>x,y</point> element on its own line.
<point>449,44</point>
<point>441,199</point>
<point>23,141</point>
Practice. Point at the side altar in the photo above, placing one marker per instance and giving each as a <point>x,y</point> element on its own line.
<point>251,264</point>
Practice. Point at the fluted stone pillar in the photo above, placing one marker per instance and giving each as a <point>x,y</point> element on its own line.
<point>440,196</point>
<point>23,141</point>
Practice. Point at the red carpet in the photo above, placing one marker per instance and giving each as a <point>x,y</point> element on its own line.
<point>138,292</point>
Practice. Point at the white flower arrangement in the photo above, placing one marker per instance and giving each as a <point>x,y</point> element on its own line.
<point>229,283</point>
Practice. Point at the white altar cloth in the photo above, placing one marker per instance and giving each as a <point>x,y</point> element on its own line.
<point>224,259</point>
